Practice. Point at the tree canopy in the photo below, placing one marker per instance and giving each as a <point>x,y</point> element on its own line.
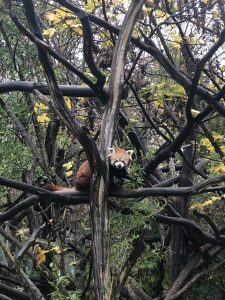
<point>78,77</point>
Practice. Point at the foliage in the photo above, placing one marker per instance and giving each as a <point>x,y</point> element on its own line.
<point>171,114</point>
<point>126,228</point>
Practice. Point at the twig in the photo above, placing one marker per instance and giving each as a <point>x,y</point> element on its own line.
<point>28,244</point>
<point>209,221</point>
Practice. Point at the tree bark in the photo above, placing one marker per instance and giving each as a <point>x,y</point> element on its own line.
<point>178,244</point>
<point>100,180</point>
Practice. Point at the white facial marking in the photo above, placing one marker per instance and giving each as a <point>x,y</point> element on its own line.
<point>119,164</point>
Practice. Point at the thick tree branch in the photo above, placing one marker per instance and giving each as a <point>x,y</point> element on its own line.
<point>13,292</point>
<point>201,236</point>
<point>100,180</point>
<point>194,279</point>
<point>29,86</point>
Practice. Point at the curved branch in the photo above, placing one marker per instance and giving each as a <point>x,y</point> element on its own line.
<point>198,71</point>
<point>209,221</point>
<point>202,236</point>
<point>88,48</point>
<point>195,279</point>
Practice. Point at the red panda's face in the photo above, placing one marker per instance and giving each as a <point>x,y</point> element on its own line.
<point>119,158</point>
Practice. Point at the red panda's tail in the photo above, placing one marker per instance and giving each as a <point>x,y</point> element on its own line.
<point>82,181</point>
<point>56,188</point>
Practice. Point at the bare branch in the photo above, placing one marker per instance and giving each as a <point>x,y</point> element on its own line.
<point>28,285</point>
<point>194,279</point>
<point>29,86</point>
<point>22,131</point>
<point>28,244</point>
<point>88,48</point>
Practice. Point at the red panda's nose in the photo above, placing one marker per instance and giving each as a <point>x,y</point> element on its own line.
<point>119,165</point>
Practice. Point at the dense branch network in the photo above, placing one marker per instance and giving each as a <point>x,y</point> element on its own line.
<point>173,135</point>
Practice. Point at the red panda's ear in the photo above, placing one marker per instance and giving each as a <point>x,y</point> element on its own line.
<point>129,153</point>
<point>111,151</point>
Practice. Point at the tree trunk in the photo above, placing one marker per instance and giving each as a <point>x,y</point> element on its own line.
<point>178,246</point>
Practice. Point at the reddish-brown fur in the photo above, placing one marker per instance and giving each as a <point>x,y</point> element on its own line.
<point>84,172</point>
<point>83,176</point>
<point>59,189</point>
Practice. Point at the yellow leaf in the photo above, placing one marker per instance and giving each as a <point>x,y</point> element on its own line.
<point>207,144</point>
<point>91,5</point>
<point>57,15</point>
<point>40,256</point>
<point>176,40</point>
<point>43,118</point>
<point>69,173</point>
<point>195,112</point>
<point>214,198</point>
<point>68,102</point>
<point>208,202</point>
<point>197,206</point>
<point>105,39</point>
<point>21,231</point>
<point>52,17</point>
<point>76,27</point>
<point>160,14</point>
<point>216,14</point>
<point>49,32</point>
<point>220,168</point>
<point>40,107</point>
<point>176,37</point>
<point>68,165</point>
<point>201,205</point>
<point>56,249</point>
<point>217,136</point>
<point>147,9</point>
<point>133,120</point>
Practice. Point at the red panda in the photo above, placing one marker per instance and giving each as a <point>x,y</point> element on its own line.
<point>119,160</point>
